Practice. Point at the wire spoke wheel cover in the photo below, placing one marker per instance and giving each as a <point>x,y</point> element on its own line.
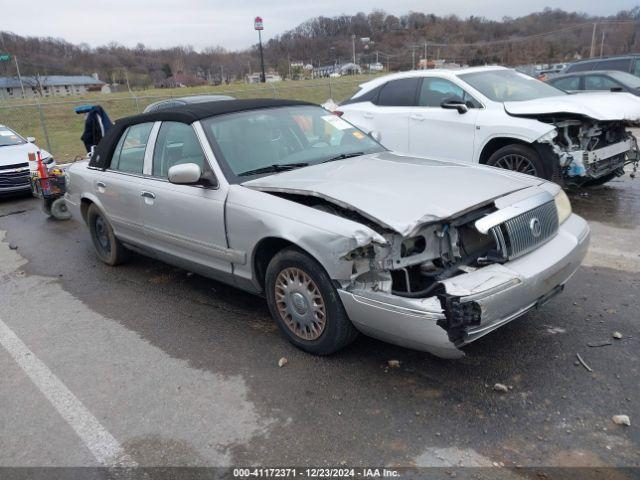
<point>517,163</point>
<point>300,303</point>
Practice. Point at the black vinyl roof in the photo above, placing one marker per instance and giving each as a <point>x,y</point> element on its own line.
<point>193,112</point>
<point>184,114</point>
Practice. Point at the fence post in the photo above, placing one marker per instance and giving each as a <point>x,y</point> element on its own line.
<point>43,124</point>
<point>136,100</point>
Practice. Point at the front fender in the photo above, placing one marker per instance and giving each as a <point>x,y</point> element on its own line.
<point>252,216</point>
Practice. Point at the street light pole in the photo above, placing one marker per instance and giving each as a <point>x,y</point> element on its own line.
<point>353,46</point>
<point>19,76</point>
<point>259,26</point>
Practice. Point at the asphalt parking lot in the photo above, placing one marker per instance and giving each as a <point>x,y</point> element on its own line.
<point>147,364</point>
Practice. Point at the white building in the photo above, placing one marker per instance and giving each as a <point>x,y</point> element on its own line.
<point>50,86</point>
<point>268,77</point>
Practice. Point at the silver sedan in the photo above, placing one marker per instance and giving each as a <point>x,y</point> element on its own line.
<point>341,236</point>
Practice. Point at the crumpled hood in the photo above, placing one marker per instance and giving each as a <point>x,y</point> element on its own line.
<point>16,154</point>
<point>601,106</point>
<point>398,192</point>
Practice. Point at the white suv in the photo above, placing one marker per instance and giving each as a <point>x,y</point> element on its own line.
<point>499,117</point>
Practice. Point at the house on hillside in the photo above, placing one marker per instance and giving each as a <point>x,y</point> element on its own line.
<point>337,70</point>
<point>51,86</point>
<point>181,80</point>
<point>269,77</point>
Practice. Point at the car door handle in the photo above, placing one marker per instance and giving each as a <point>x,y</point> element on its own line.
<point>368,115</point>
<point>147,195</point>
<point>101,185</point>
<point>416,116</point>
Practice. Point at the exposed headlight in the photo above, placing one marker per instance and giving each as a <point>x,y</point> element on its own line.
<point>563,205</point>
<point>548,137</point>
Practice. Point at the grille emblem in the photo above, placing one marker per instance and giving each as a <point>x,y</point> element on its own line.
<point>536,228</point>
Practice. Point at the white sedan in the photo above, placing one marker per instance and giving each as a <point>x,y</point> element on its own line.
<point>499,117</point>
<point>14,160</point>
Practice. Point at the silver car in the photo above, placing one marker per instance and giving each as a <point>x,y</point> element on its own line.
<point>285,200</point>
<point>179,102</point>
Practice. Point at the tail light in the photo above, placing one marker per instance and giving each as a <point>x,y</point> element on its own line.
<point>338,113</point>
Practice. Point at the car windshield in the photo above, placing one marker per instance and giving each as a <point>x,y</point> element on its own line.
<point>9,137</point>
<point>509,86</point>
<point>271,140</point>
<point>628,80</point>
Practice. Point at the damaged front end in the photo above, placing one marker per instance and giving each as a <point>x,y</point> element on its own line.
<point>586,150</point>
<point>453,281</point>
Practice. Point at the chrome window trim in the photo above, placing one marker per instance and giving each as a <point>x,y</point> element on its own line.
<point>484,224</point>
<point>147,165</point>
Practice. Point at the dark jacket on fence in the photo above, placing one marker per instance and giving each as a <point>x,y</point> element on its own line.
<point>96,125</point>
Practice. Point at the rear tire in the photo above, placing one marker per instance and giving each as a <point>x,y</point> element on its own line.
<point>521,159</point>
<point>109,249</point>
<point>305,305</point>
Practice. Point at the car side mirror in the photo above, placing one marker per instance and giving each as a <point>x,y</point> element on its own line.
<point>31,139</point>
<point>455,104</point>
<point>185,174</point>
<point>376,135</point>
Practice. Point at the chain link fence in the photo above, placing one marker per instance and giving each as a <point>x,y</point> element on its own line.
<point>57,127</point>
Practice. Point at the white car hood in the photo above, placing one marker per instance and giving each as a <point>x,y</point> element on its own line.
<point>398,192</point>
<point>17,154</point>
<point>601,106</point>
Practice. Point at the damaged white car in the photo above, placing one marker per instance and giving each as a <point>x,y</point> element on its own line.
<point>503,118</point>
<point>341,236</point>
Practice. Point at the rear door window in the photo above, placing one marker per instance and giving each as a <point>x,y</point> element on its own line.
<point>599,82</point>
<point>567,84</point>
<point>399,93</point>
<point>129,153</point>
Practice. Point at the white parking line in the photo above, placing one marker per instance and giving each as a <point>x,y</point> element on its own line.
<point>104,447</point>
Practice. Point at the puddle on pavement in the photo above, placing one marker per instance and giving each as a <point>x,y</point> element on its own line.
<point>614,203</point>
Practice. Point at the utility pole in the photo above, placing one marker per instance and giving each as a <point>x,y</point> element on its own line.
<point>602,44</point>
<point>593,41</point>
<point>425,55</point>
<point>259,26</point>
<point>353,46</point>
<point>413,56</point>
<point>19,76</point>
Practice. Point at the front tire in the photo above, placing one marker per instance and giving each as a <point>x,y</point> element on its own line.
<point>109,249</point>
<point>305,305</point>
<point>521,159</point>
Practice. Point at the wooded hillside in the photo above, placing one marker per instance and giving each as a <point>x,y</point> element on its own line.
<point>548,36</point>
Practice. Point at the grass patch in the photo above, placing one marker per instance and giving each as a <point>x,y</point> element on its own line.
<point>54,117</point>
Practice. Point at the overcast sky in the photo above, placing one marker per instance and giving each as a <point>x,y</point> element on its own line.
<point>229,23</point>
